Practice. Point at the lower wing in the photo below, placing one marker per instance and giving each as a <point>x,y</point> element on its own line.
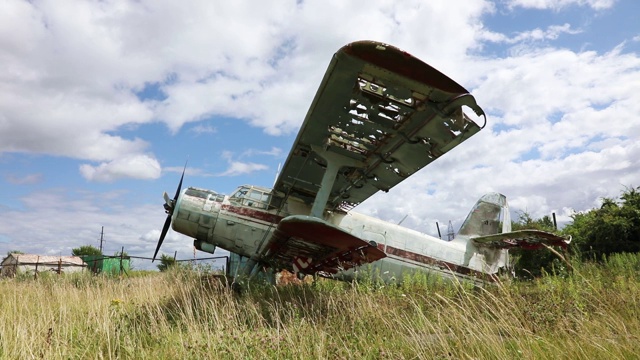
<point>308,245</point>
<point>526,239</point>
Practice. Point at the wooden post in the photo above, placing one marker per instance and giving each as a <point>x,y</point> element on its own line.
<point>35,274</point>
<point>121,255</point>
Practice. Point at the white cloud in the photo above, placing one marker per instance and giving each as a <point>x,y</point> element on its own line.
<point>203,129</point>
<point>551,33</point>
<point>63,84</point>
<point>237,168</point>
<point>189,171</point>
<point>242,168</point>
<point>560,4</point>
<point>274,151</point>
<point>141,167</point>
<point>69,83</point>
<point>24,180</point>
<point>273,86</point>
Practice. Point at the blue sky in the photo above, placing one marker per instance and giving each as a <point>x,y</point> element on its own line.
<point>102,102</point>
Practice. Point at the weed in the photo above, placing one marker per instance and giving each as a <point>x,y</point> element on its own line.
<point>590,312</point>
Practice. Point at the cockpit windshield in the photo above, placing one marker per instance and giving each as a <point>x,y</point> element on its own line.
<point>204,194</point>
<point>255,197</point>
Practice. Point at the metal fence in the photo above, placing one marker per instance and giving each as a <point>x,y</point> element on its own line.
<point>99,264</point>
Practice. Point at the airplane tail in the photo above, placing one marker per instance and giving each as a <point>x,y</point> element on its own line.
<point>489,216</point>
<point>487,231</point>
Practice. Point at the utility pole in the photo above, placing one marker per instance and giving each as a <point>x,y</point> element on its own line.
<point>101,238</point>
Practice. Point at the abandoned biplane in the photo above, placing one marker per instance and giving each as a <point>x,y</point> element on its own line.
<point>379,116</point>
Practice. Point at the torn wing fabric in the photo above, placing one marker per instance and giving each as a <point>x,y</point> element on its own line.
<point>308,245</point>
<point>527,239</point>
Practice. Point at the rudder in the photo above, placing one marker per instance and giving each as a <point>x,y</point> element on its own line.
<point>490,215</point>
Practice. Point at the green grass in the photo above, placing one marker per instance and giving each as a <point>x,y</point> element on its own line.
<point>590,314</point>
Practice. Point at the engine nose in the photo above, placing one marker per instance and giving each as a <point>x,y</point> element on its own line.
<point>196,212</point>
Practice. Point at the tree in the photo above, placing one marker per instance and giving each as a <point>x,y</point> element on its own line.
<point>166,262</point>
<point>123,253</point>
<point>532,263</point>
<point>86,250</point>
<point>613,228</point>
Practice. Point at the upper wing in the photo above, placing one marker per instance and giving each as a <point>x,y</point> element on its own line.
<point>386,110</point>
<point>307,244</point>
<point>527,239</point>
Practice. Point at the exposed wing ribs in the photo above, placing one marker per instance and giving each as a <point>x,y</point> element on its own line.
<point>388,112</point>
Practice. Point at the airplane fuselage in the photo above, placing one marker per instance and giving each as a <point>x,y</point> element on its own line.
<point>244,221</point>
<point>378,117</point>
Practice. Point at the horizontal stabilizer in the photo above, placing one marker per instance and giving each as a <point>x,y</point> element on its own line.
<point>526,239</point>
<point>307,244</point>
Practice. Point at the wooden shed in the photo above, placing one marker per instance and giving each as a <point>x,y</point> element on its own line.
<point>30,263</point>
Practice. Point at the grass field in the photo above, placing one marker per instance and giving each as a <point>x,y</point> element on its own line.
<point>594,313</point>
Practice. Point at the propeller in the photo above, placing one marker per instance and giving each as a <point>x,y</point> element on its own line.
<point>169,206</point>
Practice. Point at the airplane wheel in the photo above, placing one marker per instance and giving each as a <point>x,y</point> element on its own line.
<point>236,287</point>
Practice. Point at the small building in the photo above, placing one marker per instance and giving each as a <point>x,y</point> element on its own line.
<point>29,263</point>
<point>112,265</point>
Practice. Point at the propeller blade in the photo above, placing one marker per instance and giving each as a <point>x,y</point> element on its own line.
<point>162,235</point>
<point>170,207</point>
<point>175,198</point>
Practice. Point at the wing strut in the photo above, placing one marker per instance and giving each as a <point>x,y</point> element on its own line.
<point>334,161</point>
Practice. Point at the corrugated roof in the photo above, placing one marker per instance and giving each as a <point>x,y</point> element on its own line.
<point>48,259</point>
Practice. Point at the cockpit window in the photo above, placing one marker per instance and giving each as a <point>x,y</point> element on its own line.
<point>259,196</point>
<point>239,195</point>
<point>203,194</point>
<point>276,202</point>
<point>257,199</point>
<point>250,196</point>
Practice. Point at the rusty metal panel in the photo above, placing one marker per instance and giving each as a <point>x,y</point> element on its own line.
<point>323,246</point>
<point>526,239</point>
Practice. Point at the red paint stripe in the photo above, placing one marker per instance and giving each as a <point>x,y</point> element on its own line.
<point>402,63</point>
<point>427,260</point>
<point>253,213</point>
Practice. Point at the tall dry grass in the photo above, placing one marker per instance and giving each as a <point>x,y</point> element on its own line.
<point>590,314</point>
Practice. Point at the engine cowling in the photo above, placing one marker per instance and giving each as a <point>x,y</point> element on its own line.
<point>196,213</point>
